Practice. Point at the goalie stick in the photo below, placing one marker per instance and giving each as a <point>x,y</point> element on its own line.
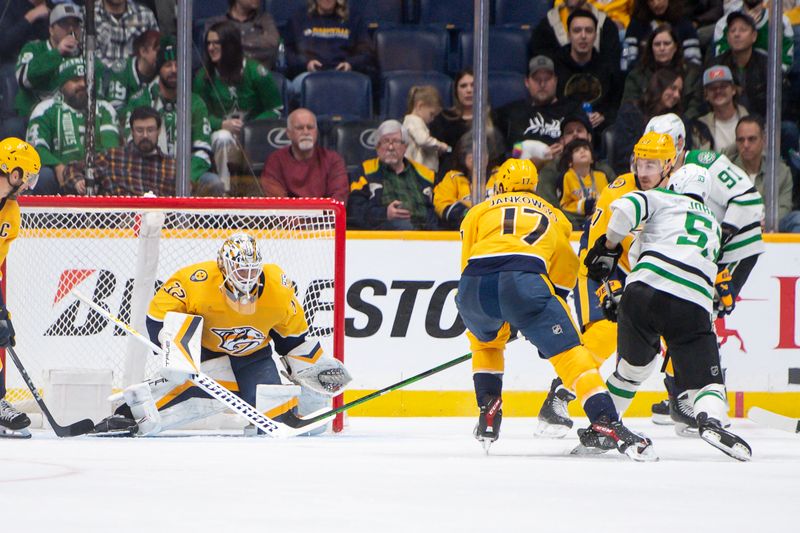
<point>209,384</point>
<point>773,420</point>
<point>80,427</point>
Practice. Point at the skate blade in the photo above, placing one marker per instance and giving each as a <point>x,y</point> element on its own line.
<point>582,450</point>
<point>662,420</point>
<point>546,430</point>
<point>646,455</point>
<point>738,451</point>
<point>6,433</point>
<point>686,431</point>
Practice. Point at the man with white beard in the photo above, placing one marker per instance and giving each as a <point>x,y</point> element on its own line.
<point>304,169</point>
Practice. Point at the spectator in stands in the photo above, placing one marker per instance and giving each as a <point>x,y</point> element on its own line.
<point>663,95</point>
<point>663,50</point>
<point>57,126</point>
<point>234,90</point>
<point>581,182</point>
<point>424,103</point>
<point>452,123</point>
<point>748,66</point>
<point>617,10</point>
<point>260,37</point>
<point>757,10</point>
<point>135,169</point>
<point>119,22</point>
<point>393,193</point>
<point>750,157</point>
<point>162,96</point>
<point>139,71</point>
<point>537,118</point>
<point>647,16</point>
<point>551,182</point>
<point>22,21</point>
<point>704,15</point>
<point>327,37</point>
<point>584,75</point>
<point>716,130</point>
<point>304,169</point>
<point>551,33</point>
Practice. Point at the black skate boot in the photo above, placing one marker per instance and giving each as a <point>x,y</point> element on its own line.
<point>120,424</point>
<point>554,420</point>
<point>13,423</point>
<point>604,435</point>
<point>487,430</point>
<point>660,413</point>
<point>681,412</point>
<point>712,432</point>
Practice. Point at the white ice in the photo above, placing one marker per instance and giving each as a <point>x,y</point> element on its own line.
<point>385,475</point>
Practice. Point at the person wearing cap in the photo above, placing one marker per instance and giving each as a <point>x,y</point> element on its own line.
<point>162,95</point>
<point>716,130</point>
<point>23,21</point>
<point>57,126</point>
<point>537,117</point>
<point>38,61</point>
<point>393,193</point>
<point>757,11</point>
<point>119,23</point>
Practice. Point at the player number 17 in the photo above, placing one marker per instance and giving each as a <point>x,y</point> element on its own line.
<point>531,220</point>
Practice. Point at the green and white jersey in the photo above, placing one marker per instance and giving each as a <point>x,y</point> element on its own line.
<point>735,203</point>
<point>676,249</point>
<point>58,131</point>
<point>124,84</point>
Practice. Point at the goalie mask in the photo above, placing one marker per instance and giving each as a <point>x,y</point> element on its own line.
<point>239,260</point>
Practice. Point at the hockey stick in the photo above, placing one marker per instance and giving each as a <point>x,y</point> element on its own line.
<point>207,383</point>
<point>80,427</point>
<point>773,420</point>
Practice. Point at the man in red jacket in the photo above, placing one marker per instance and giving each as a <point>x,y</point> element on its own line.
<point>304,169</point>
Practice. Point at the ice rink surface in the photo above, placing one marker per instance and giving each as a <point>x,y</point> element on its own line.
<point>385,475</point>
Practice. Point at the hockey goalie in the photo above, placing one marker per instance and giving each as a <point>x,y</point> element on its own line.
<point>242,310</point>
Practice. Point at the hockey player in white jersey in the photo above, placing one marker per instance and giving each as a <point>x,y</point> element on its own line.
<point>669,294</point>
<point>739,209</point>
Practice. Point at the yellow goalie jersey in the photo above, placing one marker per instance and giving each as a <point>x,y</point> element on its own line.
<point>9,226</point>
<point>518,231</point>
<point>196,290</point>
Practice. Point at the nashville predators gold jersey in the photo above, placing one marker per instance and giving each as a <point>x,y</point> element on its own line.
<point>9,225</point>
<point>602,214</point>
<point>518,231</point>
<point>196,290</point>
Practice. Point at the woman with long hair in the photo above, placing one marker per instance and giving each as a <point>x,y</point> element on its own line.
<point>647,16</point>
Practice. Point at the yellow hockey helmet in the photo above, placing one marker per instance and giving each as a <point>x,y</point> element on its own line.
<point>16,153</point>
<point>516,175</point>
<point>653,145</point>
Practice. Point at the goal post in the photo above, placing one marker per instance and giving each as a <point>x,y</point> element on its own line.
<point>118,251</point>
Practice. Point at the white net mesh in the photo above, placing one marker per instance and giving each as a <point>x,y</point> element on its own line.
<point>119,254</point>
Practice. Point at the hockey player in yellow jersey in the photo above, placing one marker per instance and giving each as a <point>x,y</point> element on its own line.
<point>247,308</point>
<point>515,261</point>
<point>19,171</point>
<point>655,154</point>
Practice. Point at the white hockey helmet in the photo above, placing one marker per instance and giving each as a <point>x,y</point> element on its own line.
<point>239,260</point>
<point>691,180</point>
<point>672,125</point>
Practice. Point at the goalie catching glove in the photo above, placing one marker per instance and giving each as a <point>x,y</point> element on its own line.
<point>609,302</point>
<point>327,376</point>
<point>601,261</point>
<point>724,301</point>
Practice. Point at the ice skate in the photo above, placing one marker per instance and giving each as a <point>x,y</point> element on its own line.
<point>711,431</point>
<point>487,430</point>
<point>682,414</point>
<point>13,423</point>
<point>554,420</point>
<point>660,413</point>
<point>604,435</point>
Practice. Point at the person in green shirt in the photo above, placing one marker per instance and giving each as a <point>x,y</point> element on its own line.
<point>140,69</point>
<point>235,90</point>
<point>57,126</point>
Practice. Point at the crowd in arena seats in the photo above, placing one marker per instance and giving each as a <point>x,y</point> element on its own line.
<point>370,101</point>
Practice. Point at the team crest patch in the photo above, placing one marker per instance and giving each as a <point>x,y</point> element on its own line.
<point>557,329</point>
<point>706,158</point>
<point>619,182</point>
<point>199,275</point>
<point>237,341</point>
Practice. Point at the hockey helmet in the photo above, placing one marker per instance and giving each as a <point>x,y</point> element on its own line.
<point>516,175</point>
<point>18,154</point>
<point>672,125</point>
<point>656,148</point>
<point>239,260</point>
<point>691,180</point>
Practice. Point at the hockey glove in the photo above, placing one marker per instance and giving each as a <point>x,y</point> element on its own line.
<point>609,303</point>
<point>724,300</point>
<point>600,261</point>
<point>6,329</point>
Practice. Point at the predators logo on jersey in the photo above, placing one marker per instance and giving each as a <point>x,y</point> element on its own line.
<point>239,340</point>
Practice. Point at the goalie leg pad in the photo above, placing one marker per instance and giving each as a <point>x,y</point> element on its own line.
<point>143,407</point>
<point>275,400</point>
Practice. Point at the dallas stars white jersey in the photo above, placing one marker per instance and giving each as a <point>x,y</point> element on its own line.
<point>734,201</point>
<point>675,250</point>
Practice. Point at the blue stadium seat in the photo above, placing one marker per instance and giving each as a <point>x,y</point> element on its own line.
<point>448,13</point>
<point>203,9</point>
<point>508,50</point>
<point>283,87</point>
<point>397,84</point>
<point>411,49</point>
<point>282,10</point>
<point>379,13</point>
<point>337,95</point>
<point>520,13</point>
<point>262,137</point>
<point>11,125</point>
<point>506,87</point>
<point>355,142</point>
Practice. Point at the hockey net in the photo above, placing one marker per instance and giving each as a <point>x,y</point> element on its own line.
<point>118,251</point>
